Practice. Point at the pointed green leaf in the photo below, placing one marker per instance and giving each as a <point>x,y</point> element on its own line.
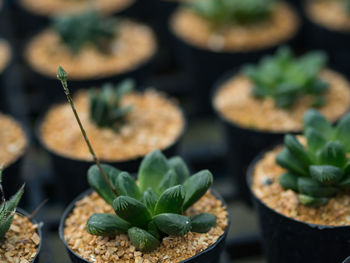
<point>288,161</point>
<point>342,131</point>
<point>106,225</point>
<point>315,140</point>
<point>126,185</point>
<point>289,181</point>
<point>332,154</point>
<point>295,148</point>
<point>313,201</point>
<point>132,211</point>
<point>98,183</point>
<point>203,222</point>
<point>326,174</point>
<point>149,199</point>
<point>315,120</point>
<point>12,204</point>
<point>5,226</point>
<point>173,224</point>
<point>196,186</point>
<point>308,186</point>
<point>180,167</point>
<point>142,240</point>
<point>152,170</point>
<point>171,201</point>
<point>170,179</point>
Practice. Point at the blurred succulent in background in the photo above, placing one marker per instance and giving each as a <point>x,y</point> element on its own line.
<point>285,78</point>
<point>346,4</point>
<point>7,208</point>
<point>105,107</point>
<point>153,207</point>
<point>322,169</point>
<point>84,28</point>
<point>221,12</point>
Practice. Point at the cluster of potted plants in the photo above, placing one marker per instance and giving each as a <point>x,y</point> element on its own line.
<point>163,216</point>
<point>143,204</point>
<point>217,35</point>
<point>281,88</point>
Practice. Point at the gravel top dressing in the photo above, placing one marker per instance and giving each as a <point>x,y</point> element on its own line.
<point>199,32</point>
<point>235,102</point>
<point>154,123</point>
<point>21,241</point>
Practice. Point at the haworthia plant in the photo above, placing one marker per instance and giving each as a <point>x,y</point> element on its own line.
<point>221,12</point>
<point>105,104</point>
<point>154,206</point>
<point>285,78</point>
<point>8,209</point>
<point>321,168</point>
<point>89,27</point>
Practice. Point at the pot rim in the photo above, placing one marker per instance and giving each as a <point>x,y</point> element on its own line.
<point>39,231</point>
<point>38,135</point>
<point>231,73</point>
<point>249,178</point>
<point>70,207</point>
<point>227,52</point>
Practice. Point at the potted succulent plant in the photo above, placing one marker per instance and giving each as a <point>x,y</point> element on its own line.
<point>125,125</point>
<point>13,144</point>
<point>20,237</point>
<point>162,216</point>
<point>301,193</point>
<point>216,35</point>
<point>37,14</point>
<point>328,27</point>
<point>261,103</point>
<point>104,49</point>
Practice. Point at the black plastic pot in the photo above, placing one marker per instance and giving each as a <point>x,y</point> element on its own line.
<point>70,174</point>
<point>205,65</point>
<point>289,241</point>
<point>210,255</point>
<point>335,43</point>
<point>243,144</point>
<point>24,213</point>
